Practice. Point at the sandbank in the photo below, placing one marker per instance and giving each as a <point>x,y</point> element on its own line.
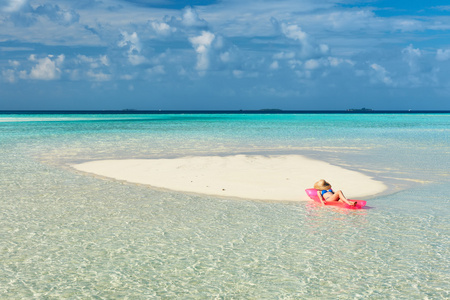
<point>283,177</point>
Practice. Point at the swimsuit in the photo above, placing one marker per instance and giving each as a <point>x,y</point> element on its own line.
<point>327,191</point>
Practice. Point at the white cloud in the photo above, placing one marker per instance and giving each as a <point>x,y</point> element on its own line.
<point>225,56</point>
<point>411,56</point>
<point>136,59</point>
<point>133,43</point>
<point>14,63</point>
<point>410,52</point>
<point>294,63</point>
<point>348,19</point>
<point>407,25</point>
<point>14,5</point>
<point>241,74</point>
<point>127,77</point>
<point>335,61</point>
<point>58,15</point>
<point>90,68</point>
<point>9,75</point>
<point>284,55</point>
<point>303,74</point>
<point>23,74</point>
<point>238,73</point>
<point>157,70</point>
<point>162,28</point>
<point>274,65</point>
<point>190,18</point>
<point>93,62</point>
<point>104,60</point>
<point>443,54</point>
<point>423,70</point>
<point>46,68</point>
<point>324,49</point>
<point>130,40</point>
<point>308,48</point>
<point>294,32</point>
<point>312,64</point>
<point>381,74</point>
<point>98,76</point>
<point>202,45</point>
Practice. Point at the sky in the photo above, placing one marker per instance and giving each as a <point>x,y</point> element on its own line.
<point>224,54</point>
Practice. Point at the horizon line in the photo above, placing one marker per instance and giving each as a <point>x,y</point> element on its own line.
<point>215,111</point>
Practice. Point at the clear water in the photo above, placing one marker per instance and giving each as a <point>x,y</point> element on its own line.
<point>68,235</point>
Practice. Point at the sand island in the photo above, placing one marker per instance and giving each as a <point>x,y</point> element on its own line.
<point>283,177</point>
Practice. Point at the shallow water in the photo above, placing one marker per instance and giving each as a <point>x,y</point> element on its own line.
<point>67,235</point>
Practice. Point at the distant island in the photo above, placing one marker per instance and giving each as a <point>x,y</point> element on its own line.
<point>360,109</point>
<point>270,110</point>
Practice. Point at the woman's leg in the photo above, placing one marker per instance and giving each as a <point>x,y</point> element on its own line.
<point>338,195</point>
<point>343,198</point>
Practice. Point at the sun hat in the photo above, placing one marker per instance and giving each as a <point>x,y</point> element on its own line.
<point>322,185</point>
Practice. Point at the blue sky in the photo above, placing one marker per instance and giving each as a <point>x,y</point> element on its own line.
<point>224,54</point>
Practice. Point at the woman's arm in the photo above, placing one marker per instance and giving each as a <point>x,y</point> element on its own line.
<point>319,194</point>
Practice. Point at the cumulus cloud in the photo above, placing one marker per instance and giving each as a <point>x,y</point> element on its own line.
<point>58,15</point>
<point>156,70</point>
<point>308,48</point>
<point>349,20</point>
<point>412,56</point>
<point>130,40</point>
<point>23,14</point>
<point>162,28</point>
<point>90,68</point>
<point>274,65</point>
<point>98,76</point>
<point>225,56</point>
<point>133,43</point>
<point>284,55</point>
<point>238,73</point>
<point>14,5</point>
<point>202,45</point>
<point>336,61</point>
<point>94,62</point>
<point>190,18</point>
<point>241,74</point>
<point>9,75</point>
<point>421,69</point>
<point>13,63</point>
<point>47,68</point>
<point>312,64</point>
<point>381,74</point>
<point>294,63</point>
<point>294,32</point>
<point>443,54</point>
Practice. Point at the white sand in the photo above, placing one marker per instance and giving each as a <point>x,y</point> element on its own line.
<point>252,177</point>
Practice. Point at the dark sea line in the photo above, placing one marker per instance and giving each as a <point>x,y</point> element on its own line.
<point>265,112</point>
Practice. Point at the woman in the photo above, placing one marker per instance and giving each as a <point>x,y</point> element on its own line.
<point>326,194</point>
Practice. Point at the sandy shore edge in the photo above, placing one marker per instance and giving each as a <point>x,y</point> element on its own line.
<point>282,178</point>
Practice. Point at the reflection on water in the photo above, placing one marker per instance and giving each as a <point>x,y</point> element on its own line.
<point>65,235</point>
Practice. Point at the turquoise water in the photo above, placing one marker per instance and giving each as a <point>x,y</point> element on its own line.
<point>68,235</point>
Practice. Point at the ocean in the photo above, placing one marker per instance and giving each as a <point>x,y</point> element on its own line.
<point>65,234</point>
